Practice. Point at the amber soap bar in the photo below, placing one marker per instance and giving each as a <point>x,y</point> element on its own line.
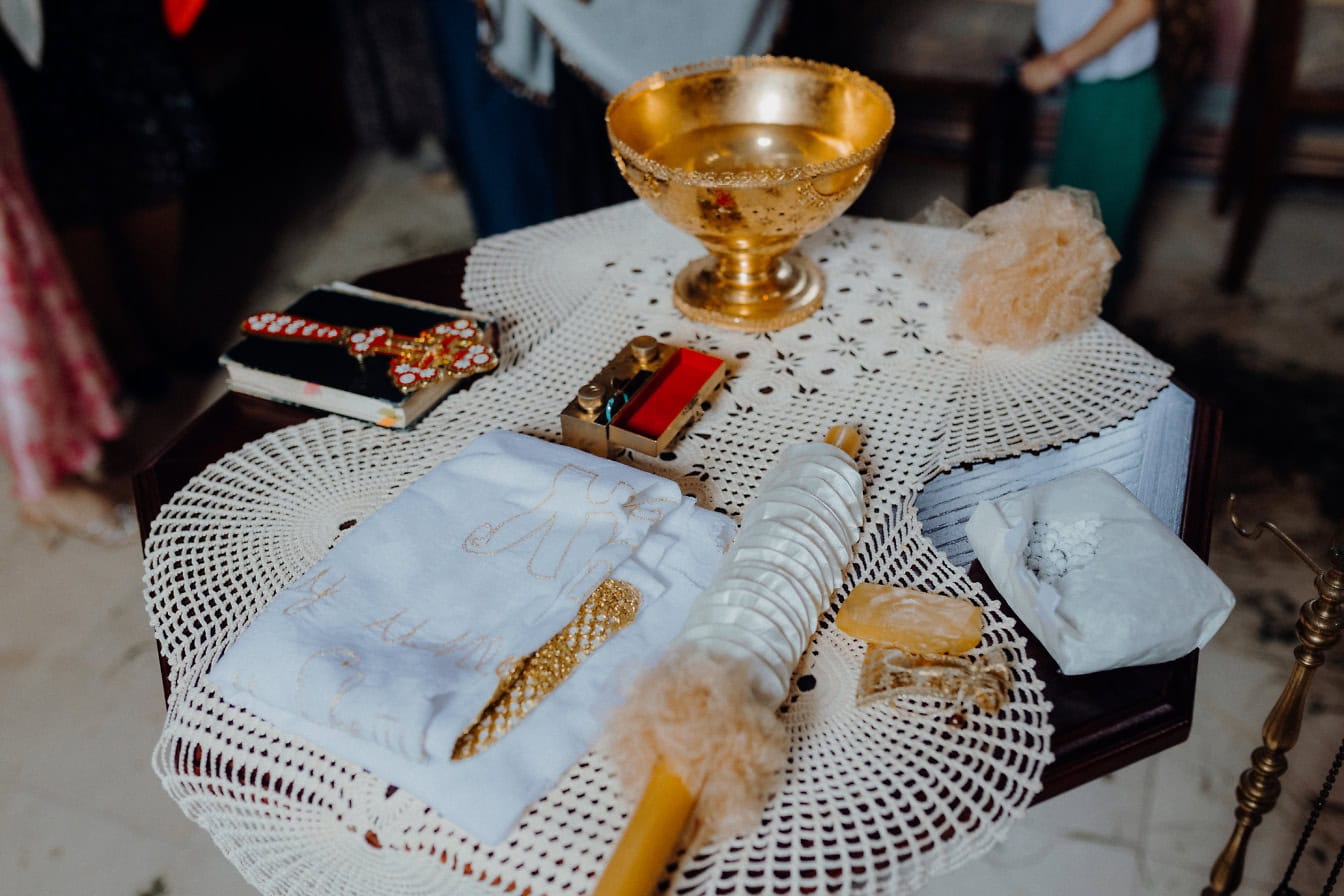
<point>917,622</point>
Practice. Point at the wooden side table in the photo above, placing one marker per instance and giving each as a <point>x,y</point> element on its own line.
<point>1102,721</point>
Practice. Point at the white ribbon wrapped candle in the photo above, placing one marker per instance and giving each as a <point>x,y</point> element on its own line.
<point>790,555</point>
<point>703,725</point>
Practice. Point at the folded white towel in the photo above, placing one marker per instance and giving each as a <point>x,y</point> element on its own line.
<point>387,649</point>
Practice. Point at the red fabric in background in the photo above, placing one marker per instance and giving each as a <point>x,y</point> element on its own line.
<point>180,15</point>
<point>56,389</point>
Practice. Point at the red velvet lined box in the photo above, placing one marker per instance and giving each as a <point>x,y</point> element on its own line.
<point>663,405</point>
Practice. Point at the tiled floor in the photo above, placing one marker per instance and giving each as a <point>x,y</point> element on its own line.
<point>82,813</point>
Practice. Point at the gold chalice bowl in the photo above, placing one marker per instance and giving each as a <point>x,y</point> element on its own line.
<point>749,155</point>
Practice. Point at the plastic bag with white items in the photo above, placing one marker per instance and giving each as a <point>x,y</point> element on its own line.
<point>1095,576</point>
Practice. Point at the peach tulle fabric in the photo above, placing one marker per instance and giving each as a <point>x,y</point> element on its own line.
<point>1040,273</point>
<point>56,390</point>
<point>700,716</point>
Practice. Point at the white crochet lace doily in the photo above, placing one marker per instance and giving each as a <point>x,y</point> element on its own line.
<point>873,800</point>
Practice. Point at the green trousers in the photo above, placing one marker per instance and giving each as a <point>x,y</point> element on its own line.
<point>1106,138</point>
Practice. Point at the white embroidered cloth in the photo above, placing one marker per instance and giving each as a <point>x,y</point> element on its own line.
<point>873,800</point>
<point>387,649</point>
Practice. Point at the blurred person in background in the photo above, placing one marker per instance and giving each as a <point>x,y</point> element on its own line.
<point>56,389</point>
<point>112,135</point>
<point>1104,52</point>
<point>526,84</point>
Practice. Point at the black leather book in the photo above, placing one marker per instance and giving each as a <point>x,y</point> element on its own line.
<point>325,376</point>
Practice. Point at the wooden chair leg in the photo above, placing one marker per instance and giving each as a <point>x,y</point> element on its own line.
<point>1002,125</point>
<point>981,154</point>
<point>1281,38</point>
<point>1241,134</point>
<point>1254,212</point>
<point>1232,167</point>
<point>1018,133</point>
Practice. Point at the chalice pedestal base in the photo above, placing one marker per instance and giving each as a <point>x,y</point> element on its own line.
<point>792,291</point>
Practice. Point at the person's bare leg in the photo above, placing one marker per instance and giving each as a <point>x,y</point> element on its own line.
<point>91,262</point>
<point>153,236</point>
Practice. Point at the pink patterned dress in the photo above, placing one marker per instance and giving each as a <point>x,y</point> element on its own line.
<point>56,388</point>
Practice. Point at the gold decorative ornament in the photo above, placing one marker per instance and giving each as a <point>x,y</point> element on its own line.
<point>890,672</point>
<point>749,155</point>
<point>524,682</point>
<point>641,400</point>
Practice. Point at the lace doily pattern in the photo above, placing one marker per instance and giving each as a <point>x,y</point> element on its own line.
<point>873,800</point>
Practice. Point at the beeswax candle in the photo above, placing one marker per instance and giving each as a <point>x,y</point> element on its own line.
<point>650,836</point>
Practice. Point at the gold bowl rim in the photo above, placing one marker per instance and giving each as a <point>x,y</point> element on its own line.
<point>761,177</point>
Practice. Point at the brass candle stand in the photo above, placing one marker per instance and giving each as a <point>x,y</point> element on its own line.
<point>1318,628</point>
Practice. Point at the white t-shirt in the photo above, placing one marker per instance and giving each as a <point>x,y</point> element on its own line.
<point>1061,22</point>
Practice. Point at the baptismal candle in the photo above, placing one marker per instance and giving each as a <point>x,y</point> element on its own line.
<point>654,827</point>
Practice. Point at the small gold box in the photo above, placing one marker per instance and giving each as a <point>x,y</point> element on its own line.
<point>641,399</point>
